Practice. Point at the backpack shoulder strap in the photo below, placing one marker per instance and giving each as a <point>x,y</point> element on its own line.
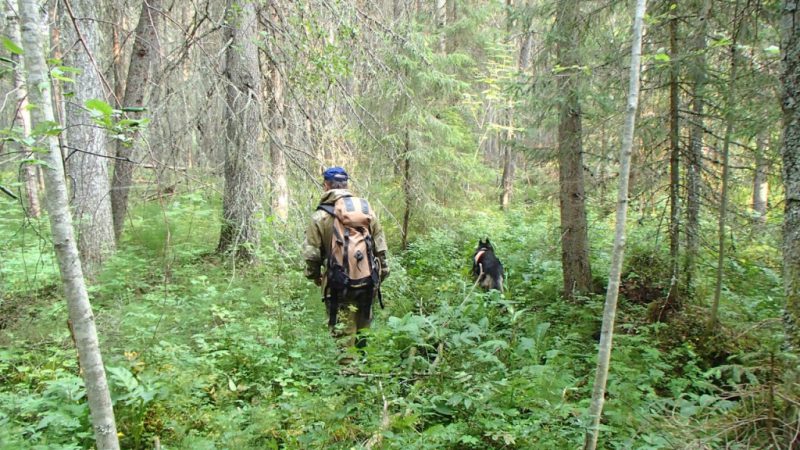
<point>327,207</point>
<point>330,207</point>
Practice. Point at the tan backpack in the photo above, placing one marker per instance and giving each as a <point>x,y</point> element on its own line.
<point>352,262</point>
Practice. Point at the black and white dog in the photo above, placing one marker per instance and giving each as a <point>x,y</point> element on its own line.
<point>486,268</point>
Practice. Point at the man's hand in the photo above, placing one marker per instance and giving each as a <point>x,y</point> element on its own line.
<point>384,266</point>
<point>313,272</point>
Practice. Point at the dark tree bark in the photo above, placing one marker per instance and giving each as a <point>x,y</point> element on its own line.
<point>242,203</point>
<point>674,163</point>
<point>791,169</point>
<point>694,168</point>
<point>86,163</point>
<point>406,188</point>
<point>572,198</point>
<point>144,59</point>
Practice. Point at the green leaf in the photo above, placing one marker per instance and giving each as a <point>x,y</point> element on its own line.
<point>661,57</point>
<point>98,106</point>
<point>772,50</point>
<point>47,128</point>
<point>35,162</point>
<point>12,47</point>
<point>443,409</point>
<point>58,74</point>
<point>133,109</point>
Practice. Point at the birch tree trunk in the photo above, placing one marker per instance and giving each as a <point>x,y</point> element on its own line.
<point>576,269</point>
<point>723,208</point>
<point>69,263</point>
<point>610,308</point>
<point>694,168</point>
<point>142,64</point>
<point>441,21</point>
<point>791,169</point>
<point>242,203</point>
<point>24,116</point>
<point>87,165</point>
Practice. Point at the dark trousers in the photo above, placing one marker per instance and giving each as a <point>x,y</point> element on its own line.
<point>354,313</point>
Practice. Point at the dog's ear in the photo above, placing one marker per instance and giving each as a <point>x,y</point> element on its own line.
<point>480,242</point>
<point>487,241</point>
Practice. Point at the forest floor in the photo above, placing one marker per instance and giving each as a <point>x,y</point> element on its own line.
<point>203,354</point>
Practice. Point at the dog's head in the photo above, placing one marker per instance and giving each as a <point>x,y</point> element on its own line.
<point>484,246</point>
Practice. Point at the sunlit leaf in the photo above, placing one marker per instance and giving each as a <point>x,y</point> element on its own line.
<point>12,47</point>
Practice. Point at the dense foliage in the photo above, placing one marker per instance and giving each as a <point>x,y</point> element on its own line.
<point>202,354</point>
<point>425,111</point>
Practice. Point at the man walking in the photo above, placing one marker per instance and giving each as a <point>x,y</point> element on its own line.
<point>346,238</point>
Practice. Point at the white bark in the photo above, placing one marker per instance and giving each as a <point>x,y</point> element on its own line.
<point>610,309</point>
<point>23,115</point>
<point>441,21</point>
<point>69,263</point>
<point>86,164</point>
<point>760,183</point>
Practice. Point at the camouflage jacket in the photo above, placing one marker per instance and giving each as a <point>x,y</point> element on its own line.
<point>317,245</point>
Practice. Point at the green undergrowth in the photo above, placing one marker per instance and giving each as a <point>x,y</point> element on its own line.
<point>204,354</point>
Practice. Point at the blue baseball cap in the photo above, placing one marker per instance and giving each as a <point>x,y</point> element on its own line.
<point>335,174</point>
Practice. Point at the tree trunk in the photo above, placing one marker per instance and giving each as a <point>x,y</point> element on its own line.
<point>526,41</point>
<point>760,184</point>
<point>610,309</point>
<point>87,165</point>
<point>406,187</point>
<point>117,12</point>
<point>142,64</point>
<point>244,165</point>
<point>24,117</point>
<point>397,9</point>
<point>69,263</point>
<point>441,21</point>
<point>277,132</point>
<point>791,169</point>
<point>507,182</point>
<point>576,269</point>
<point>674,161</point>
<point>694,169</point>
<point>452,11</point>
<point>723,208</point>
<point>508,163</point>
